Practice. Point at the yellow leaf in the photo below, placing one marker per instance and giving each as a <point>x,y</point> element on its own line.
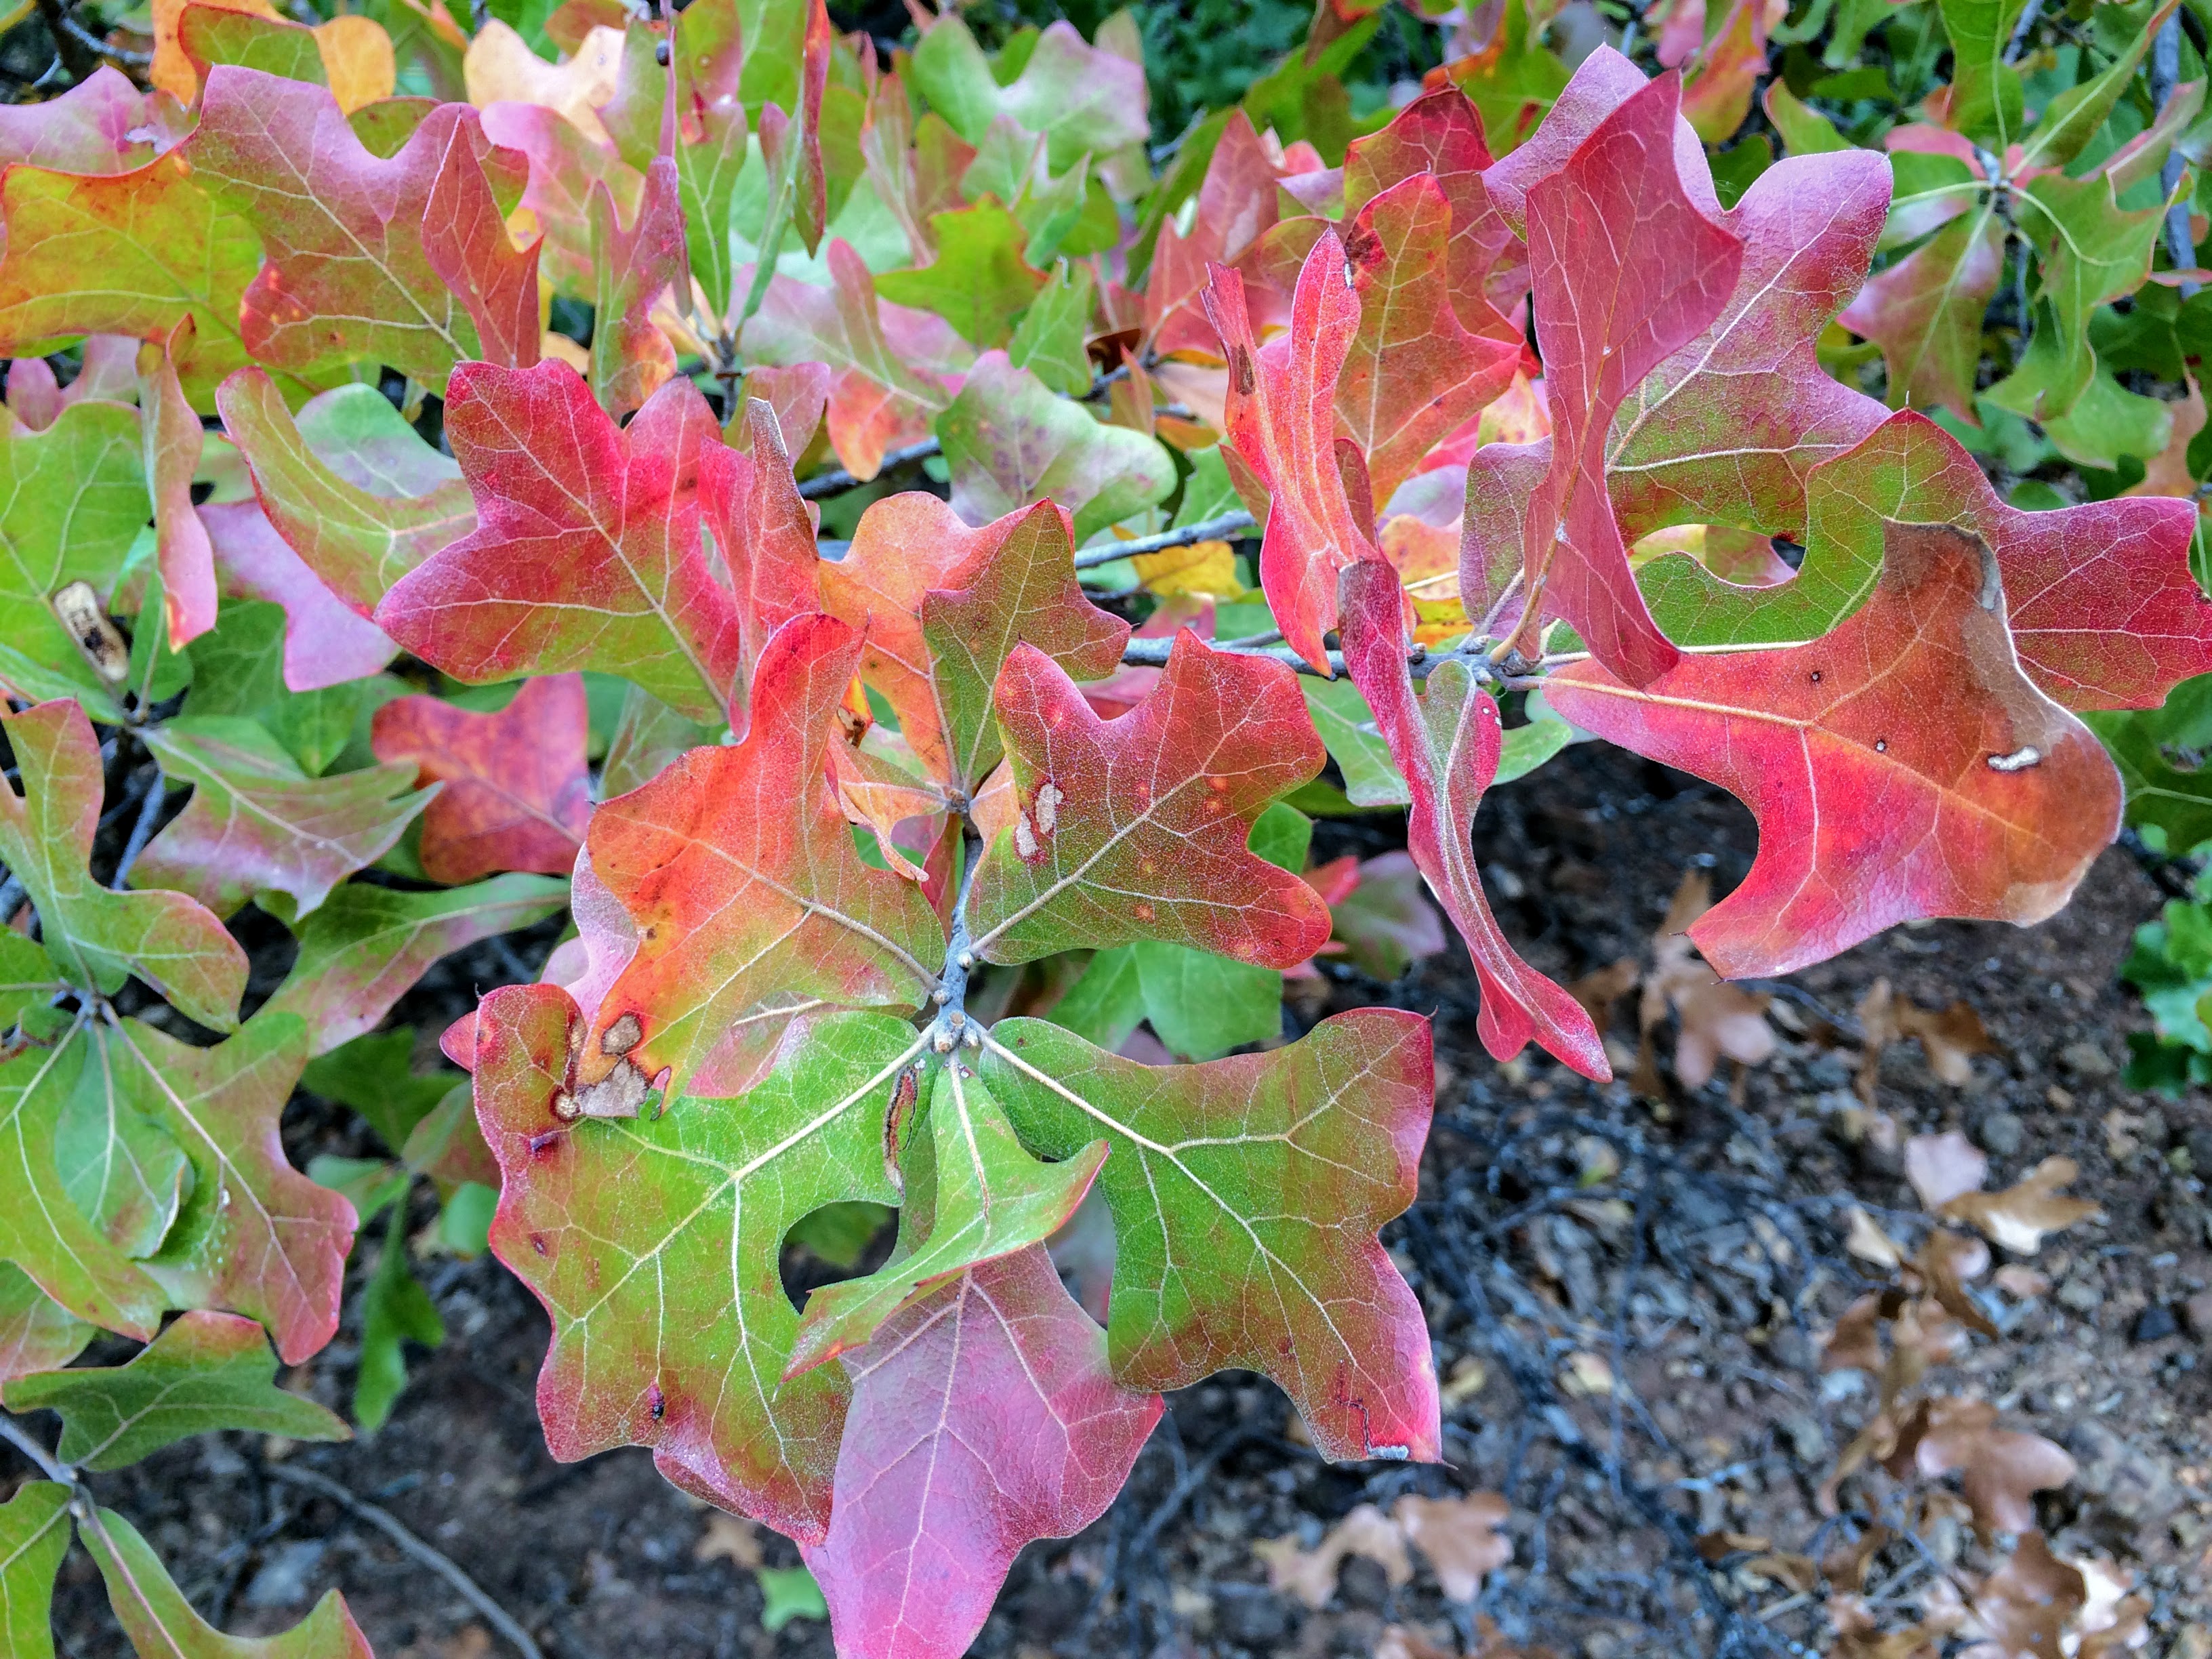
<point>1205,569</point>
<point>356,60</point>
<point>172,72</point>
<point>501,68</point>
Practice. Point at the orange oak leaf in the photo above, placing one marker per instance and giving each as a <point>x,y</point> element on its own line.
<point>738,872</point>
<point>1136,828</point>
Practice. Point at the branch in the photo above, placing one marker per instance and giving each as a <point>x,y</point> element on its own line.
<point>1229,524</point>
<point>2165,70</point>
<point>50,1466</point>
<point>837,480</point>
<point>443,1565</point>
<point>142,831</point>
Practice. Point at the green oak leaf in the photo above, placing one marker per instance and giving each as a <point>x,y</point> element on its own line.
<point>238,669</point>
<point>2090,251</point>
<point>34,1536</point>
<point>979,282</point>
<point>161,1624</point>
<point>98,937</point>
<point>206,1371</point>
<point>367,946</point>
<point>1246,1193</point>
<point>72,499</point>
<point>376,1075</point>
<point>986,1198</point>
<point>350,484</point>
<point>29,981</point>
<point>395,1308</point>
<point>37,1333</point>
<point>125,1172</point>
<point>41,1230</point>
<point>1050,341</point>
<point>653,1243</point>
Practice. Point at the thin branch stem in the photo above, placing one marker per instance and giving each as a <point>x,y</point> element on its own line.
<point>1228,525</point>
<point>389,1524</point>
<point>143,831</point>
<point>837,480</point>
<point>50,1466</point>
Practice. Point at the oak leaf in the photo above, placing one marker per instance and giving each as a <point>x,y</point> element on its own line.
<point>739,874</point>
<point>983,1417</point>
<point>1873,808</point>
<point>586,551</point>
<point>96,937</point>
<point>1245,1194</point>
<point>1136,828</point>
<point>516,793</point>
<point>654,1242</point>
<point>1447,743</point>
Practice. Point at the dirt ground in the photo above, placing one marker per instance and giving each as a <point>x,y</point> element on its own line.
<point>1704,1288</point>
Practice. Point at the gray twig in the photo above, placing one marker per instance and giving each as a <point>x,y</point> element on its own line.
<point>498,1617</point>
<point>50,1466</point>
<point>2165,71</point>
<point>1227,524</point>
<point>91,42</point>
<point>1154,654</point>
<point>143,831</point>
<point>2025,27</point>
<point>837,480</point>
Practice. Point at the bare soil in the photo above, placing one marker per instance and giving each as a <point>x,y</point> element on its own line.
<point>1703,1291</point>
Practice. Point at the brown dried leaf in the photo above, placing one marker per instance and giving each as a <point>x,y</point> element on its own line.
<point>1950,1036</point>
<point>2003,1468</point>
<point>1459,1536</point>
<point>1868,1243</point>
<point>1311,1575</point>
<point>2018,1217</point>
<point>1714,1017</point>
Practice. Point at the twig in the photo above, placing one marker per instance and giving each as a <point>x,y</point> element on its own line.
<point>69,43</point>
<point>11,899</point>
<point>2025,27</point>
<point>1154,654</point>
<point>142,831</point>
<point>92,42</point>
<point>50,1466</point>
<point>443,1565</point>
<point>1227,524</point>
<point>2165,70</point>
<point>837,480</point>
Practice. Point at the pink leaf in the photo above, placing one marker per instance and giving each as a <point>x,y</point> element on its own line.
<point>326,643</point>
<point>172,443</point>
<point>983,1417</point>
<point>464,238</point>
<point>1447,743</point>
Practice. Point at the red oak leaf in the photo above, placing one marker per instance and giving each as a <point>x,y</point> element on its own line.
<point>739,872</point>
<point>87,130</point>
<point>2104,610</point>
<point>1725,429</point>
<point>464,238</point>
<point>586,550</point>
<point>172,444</point>
<point>1627,268</point>
<point>1237,204</point>
<point>1447,744</point>
<point>516,795</point>
<point>891,368</point>
<point>1281,416</point>
<point>764,534</point>
<point>1439,134</point>
<point>981,1418</point>
<point>1136,828</point>
<point>633,265</point>
<point>1414,372</point>
<point>345,275</point>
<point>1902,767</point>
<point>1925,312</point>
